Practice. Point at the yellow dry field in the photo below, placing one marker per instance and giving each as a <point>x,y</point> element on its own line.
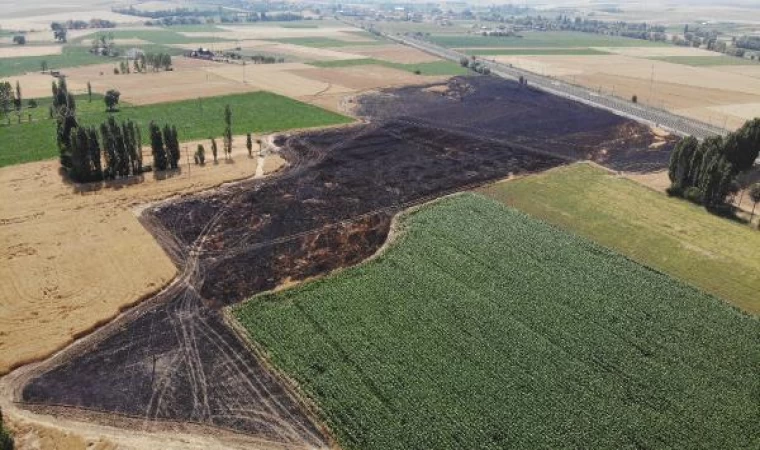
<point>718,95</point>
<point>361,78</point>
<point>395,53</point>
<point>658,52</point>
<point>36,85</point>
<point>190,79</point>
<point>287,79</point>
<point>72,260</point>
<point>342,33</point>
<point>29,50</point>
<point>39,20</point>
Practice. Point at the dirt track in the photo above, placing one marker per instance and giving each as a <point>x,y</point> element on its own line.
<point>175,359</point>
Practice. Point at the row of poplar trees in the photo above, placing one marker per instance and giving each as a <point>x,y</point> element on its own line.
<point>705,172</point>
<point>111,151</point>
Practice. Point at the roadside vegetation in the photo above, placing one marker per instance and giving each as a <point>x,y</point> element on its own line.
<point>706,172</point>
<point>675,237</point>
<point>484,328</point>
<point>259,112</point>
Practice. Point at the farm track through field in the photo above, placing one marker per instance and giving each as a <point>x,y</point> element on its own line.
<point>174,360</point>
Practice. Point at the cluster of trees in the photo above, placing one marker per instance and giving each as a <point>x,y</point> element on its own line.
<point>110,151</point>
<point>636,30</point>
<point>263,59</point>
<point>103,44</point>
<point>144,62</point>
<point>705,172</point>
<point>10,99</point>
<point>120,154</point>
<point>164,146</point>
<point>749,42</point>
<point>59,31</point>
<point>477,66</point>
<point>186,16</point>
<point>83,25</point>
<point>19,39</point>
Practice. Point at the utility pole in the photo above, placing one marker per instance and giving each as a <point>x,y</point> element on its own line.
<point>187,154</point>
<point>651,87</point>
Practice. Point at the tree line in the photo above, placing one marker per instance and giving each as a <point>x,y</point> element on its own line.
<point>156,62</point>
<point>112,150</point>
<point>706,172</point>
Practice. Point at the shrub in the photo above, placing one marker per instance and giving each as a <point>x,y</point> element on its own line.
<point>693,194</point>
<point>200,155</point>
<point>635,99</point>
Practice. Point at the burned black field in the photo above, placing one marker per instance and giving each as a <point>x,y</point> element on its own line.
<point>175,360</point>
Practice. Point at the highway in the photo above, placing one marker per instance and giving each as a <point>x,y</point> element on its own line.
<point>635,111</point>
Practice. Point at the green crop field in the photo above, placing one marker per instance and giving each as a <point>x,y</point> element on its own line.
<point>484,328</point>
<point>537,52</point>
<point>161,36</point>
<point>549,39</point>
<point>673,236</point>
<point>702,61</point>
<point>71,56</point>
<point>195,119</point>
<point>429,68</point>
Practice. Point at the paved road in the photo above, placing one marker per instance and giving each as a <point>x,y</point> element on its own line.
<point>638,112</point>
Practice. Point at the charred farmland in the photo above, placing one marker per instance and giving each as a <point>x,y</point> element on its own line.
<point>175,359</point>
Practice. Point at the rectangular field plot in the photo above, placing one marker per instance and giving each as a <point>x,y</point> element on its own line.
<point>254,112</point>
<point>674,236</point>
<point>484,328</point>
<point>549,39</point>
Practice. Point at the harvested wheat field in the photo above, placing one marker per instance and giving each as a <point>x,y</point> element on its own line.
<point>71,260</point>
<point>267,31</point>
<point>37,85</point>
<point>190,79</point>
<point>30,50</point>
<point>392,53</point>
<point>369,76</point>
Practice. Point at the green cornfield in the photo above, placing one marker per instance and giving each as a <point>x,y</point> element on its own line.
<point>484,328</point>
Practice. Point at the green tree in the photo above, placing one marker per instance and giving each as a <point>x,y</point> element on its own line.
<point>200,155</point>
<point>6,97</point>
<point>44,66</point>
<point>228,131</point>
<point>679,167</point>
<point>111,99</point>
<point>249,145</point>
<point>160,161</point>
<point>743,146</point>
<point>18,99</point>
<point>214,149</point>
<point>89,92</point>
